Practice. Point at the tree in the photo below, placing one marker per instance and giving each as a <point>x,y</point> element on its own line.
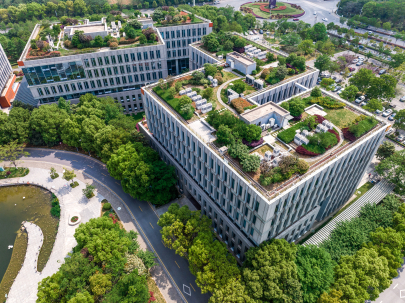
<point>142,39</point>
<point>65,105</point>
<point>233,292</point>
<point>318,32</point>
<point>251,163</point>
<point>315,271</point>
<point>100,283</point>
<point>207,93</point>
<point>332,297</point>
<point>131,288</point>
<point>316,92</point>
<point>225,135</point>
<point>82,297</point>
<point>252,132</point>
<point>296,107</point>
<point>400,120</point>
<point>131,34</point>
<point>238,150</point>
<point>228,45</point>
<point>362,79</point>
<point>71,133</point>
<point>270,273</point>
<point>11,152</point>
<point>107,140</point>
<point>47,121</point>
<point>239,87</point>
<point>382,87</point>
<point>210,69</point>
<point>393,170</point>
<point>68,175</point>
<point>53,173</point>
<point>291,39</point>
<point>98,41</point>
<point>88,191</point>
<point>15,126</point>
<point>322,62</point>
<point>397,59</point>
<point>349,93</point>
<point>306,46</point>
<point>281,72</point>
<point>373,105</point>
<point>143,175</point>
<point>327,82</point>
<point>362,276</point>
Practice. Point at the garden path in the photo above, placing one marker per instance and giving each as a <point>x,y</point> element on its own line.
<point>222,86</point>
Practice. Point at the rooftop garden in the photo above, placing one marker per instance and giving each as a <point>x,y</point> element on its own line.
<point>287,67</point>
<point>263,11</point>
<point>168,16</point>
<point>169,90</point>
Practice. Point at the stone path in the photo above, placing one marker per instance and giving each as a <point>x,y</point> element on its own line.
<point>72,200</point>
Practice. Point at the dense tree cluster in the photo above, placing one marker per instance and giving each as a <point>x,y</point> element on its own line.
<point>107,265</point>
<point>95,125</point>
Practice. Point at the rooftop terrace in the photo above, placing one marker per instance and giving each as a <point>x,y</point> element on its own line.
<point>341,119</point>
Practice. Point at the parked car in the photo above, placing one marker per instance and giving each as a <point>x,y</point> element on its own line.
<point>363,103</point>
<point>401,138</point>
<point>360,63</point>
<point>325,19</point>
<point>340,91</point>
<point>338,80</point>
<point>261,31</point>
<point>383,71</point>
<point>391,118</point>
<point>402,99</point>
<point>355,61</point>
<point>387,113</point>
<point>377,112</point>
<point>334,77</point>
<point>296,19</point>
<point>337,88</point>
<point>370,32</point>
<point>360,99</point>
<point>352,69</point>
<point>250,33</point>
<point>349,75</point>
<point>342,73</point>
<point>314,13</point>
<point>254,32</point>
<point>392,105</point>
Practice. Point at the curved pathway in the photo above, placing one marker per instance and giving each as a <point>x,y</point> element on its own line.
<point>219,93</point>
<point>172,275</point>
<point>71,200</point>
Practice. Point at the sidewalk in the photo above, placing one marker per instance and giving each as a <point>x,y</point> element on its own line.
<point>39,173</point>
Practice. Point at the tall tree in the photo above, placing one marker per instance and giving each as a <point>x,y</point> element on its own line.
<point>322,62</point>
<point>11,152</point>
<point>393,170</point>
<point>385,150</point>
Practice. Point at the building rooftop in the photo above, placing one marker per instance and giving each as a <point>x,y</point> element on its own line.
<point>87,29</point>
<point>241,58</point>
<point>271,140</point>
<point>264,109</point>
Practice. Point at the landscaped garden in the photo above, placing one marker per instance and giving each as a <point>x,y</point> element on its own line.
<point>282,10</point>
<point>287,67</point>
<point>169,16</point>
<point>13,172</point>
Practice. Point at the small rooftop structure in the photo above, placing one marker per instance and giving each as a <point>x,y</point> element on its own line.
<point>241,63</point>
<point>89,29</point>
<point>263,113</point>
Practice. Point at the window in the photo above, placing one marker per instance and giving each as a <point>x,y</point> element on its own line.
<point>67,89</point>
<point>73,86</point>
<point>126,58</point>
<point>169,54</point>
<point>168,44</point>
<point>86,85</point>
<point>93,62</point>
<point>142,78</point>
<point>257,206</point>
<point>204,31</point>
<point>60,88</point>
<point>102,70</point>
<point>122,99</point>
<point>189,41</point>
<point>117,80</point>
<point>140,67</point>
<point>173,35</point>
<point>105,82</point>
<point>90,74</point>
<point>119,58</point>
<point>184,52</point>
<point>178,43</point>
<point>86,63</point>
<point>145,55</point>
<point>47,91</point>
<point>99,83</point>
<point>194,32</point>
<point>124,80</point>
<point>106,60</point>
<point>153,64</point>
<point>152,54</point>
<point>252,231</point>
<point>109,72</point>
<point>179,52</point>
<point>148,76</point>
<point>139,96</point>
<point>113,60</point>
<point>96,73</point>
<point>158,54</point>
<point>122,70</point>
<point>254,219</point>
<point>199,32</point>
<point>134,68</point>
<point>92,84</point>
<point>111,81</point>
<point>139,56</point>
<point>159,65</point>
<point>174,53</point>
<point>115,70</point>
<point>53,89</point>
<point>129,107</point>
<point>160,75</point>
<point>130,79</point>
<point>140,106</point>
<point>40,92</point>
<point>79,85</point>
<point>100,61</point>
<point>188,32</point>
<point>132,57</point>
<point>173,44</point>
<point>147,66</point>
<point>136,78</point>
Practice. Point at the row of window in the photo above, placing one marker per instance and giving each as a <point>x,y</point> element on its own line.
<point>180,43</point>
<point>132,57</point>
<point>169,53</point>
<point>190,33</point>
<point>123,69</point>
<point>79,86</point>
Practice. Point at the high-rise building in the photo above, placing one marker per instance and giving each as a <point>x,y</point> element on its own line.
<point>8,86</point>
<point>244,211</point>
<point>117,72</point>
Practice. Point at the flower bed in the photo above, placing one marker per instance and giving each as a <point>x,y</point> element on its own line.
<point>240,104</point>
<point>254,143</point>
<point>319,118</point>
<point>267,10</point>
<point>301,150</point>
<point>74,219</point>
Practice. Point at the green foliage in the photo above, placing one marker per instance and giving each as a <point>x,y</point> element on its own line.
<point>385,150</point>
<point>316,92</point>
<point>224,135</point>
<point>393,170</point>
<point>55,209</point>
<point>328,102</point>
<point>288,134</point>
<point>296,107</point>
<point>350,93</point>
<point>239,87</point>
<point>12,152</point>
<point>320,141</point>
<point>315,271</point>
<point>106,206</point>
<point>322,62</point>
<point>270,272</point>
<point>286,168</point>
<point>147,257</point>
<point>238,150</point>
<point>363,126</point>
<point>96,269</point>
<point>88,191</point>
<point>210,69</point>
<point>143,175</point>
<point>250,163</point>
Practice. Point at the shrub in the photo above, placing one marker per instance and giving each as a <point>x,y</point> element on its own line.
<point>316,92</point>
<point>250,163</point>
<point>89,191</point>
<point>254,143</point>
<point>113,45</point>
<point>107,206</point>
<point>288,135</point>
<point>348,135</point>
<point>335,133</point>
<point>219,79</point>
<point>301,150</point>
<point>319,118</point>
<point>327,102</point>
<point>239,104</point>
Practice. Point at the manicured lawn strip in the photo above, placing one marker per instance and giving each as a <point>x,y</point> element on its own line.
<point>340,117</point>
<point>314,148</point>
<point>15,172</point>
<point>288,135</point>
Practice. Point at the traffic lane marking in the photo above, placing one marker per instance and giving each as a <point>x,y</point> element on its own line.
<point>151,225</point>
<point>177,264</point>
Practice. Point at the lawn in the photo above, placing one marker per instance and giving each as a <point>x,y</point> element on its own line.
<point>248,89</point>
<point>340,117</point>
<point>14,172</point>
<point>288,134</point>
<point>262,150</point>
<point>174,103</point>
<point>288,11</point>
<point>138,117</point>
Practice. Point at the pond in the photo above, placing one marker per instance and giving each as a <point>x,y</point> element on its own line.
<point>14,210</point>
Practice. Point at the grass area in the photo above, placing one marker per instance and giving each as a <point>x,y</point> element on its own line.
<point>288,134</point>
<point>228,76</point>
<point>17,259</point>
<point>363,189</point>
<point>340,117</point>
<point>288,11</point>
<point>248,89</point>
<point>12,172</point>
<point>138,117</point>
<point>262,150</point>
<point>314,148</point>
<point>174,103</point>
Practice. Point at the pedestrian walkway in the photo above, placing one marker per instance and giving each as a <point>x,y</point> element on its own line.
<point>373,196</point>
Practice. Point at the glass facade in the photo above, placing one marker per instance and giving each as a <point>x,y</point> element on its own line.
<point>54,73</point>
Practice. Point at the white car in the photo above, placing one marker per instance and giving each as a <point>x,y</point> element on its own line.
<point>360,99</point>
<point>250,33</point>
<point>363,103</point>
<point>325,19</point>
<point>314,13</point>
<point>402,99</point>
<point>340,91</point>
<point>355,61</point>
<point>254,32</point>
<point>401,138</point>
<point>387,113</point>
<point>377,112</point>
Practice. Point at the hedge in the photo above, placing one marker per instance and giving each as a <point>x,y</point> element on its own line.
<point>301,150</point>
<point>348,135</point>
<point>288,135</point>
<point>328,102</point>
<point>254,143</point>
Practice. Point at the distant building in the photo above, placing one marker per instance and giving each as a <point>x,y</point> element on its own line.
<point>8,86</point>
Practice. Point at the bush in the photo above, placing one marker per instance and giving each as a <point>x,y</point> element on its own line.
<point>88,191</point>
<point>254,143</point>
<point>107,206</point>
<point>55,210</point>
<point>74,184</point>
<point>288,135</point>
<point>113,45</point>
<point>327,102</point>
<point>362,127</point>
<point>316,92</point>
<point>250,163</point>
<point>303,151</point>
<point>240,104</point>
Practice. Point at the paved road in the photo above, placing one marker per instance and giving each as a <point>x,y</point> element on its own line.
<point>143,212</point>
